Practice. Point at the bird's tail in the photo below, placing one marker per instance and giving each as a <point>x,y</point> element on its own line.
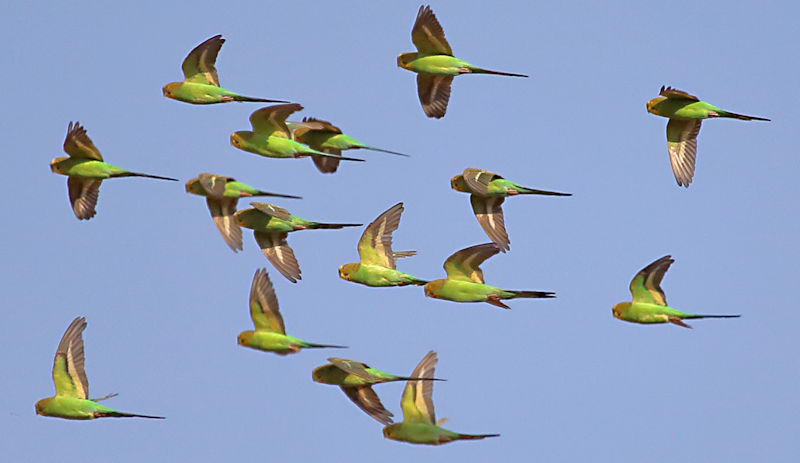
<point>372,148</point>
<point>497,73</point>
<point>137,174</point>
<point>712,316</point>
<point>277,195</point>
<point>257,100</point>
<point>320,346</point>
<point>129,415</point>
<point>740,116</point>
<point>477,436</point>
<point>409,378</point>
<point>534,294</point>
<point>332,226</point>
<point>533,191</point>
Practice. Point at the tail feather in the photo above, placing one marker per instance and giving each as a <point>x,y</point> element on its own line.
<point>534,294</point>
<point>410,378</point>
<point>138,174</point>
<point>277,195</point>
<point>338,157</point>
<point>498,73</point>
<point>372,148</point>
<point>334,226</point>
<point>713,316</point>
<point>477,436</point>
<point>533,191</point>
<point>742,116</point>
<point>258,100</point>
<point>319,346</point>
<point>129,415</point>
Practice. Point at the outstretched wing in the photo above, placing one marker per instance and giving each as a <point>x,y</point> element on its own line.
<point>417,400</point>
<point>489,212</point>
<point>79,145</point>
<point>682,146</point>
<point>222,211</point>
<point>264,304</point>
<point>375,245</point>
<point>273,210</point>
<point>278,252</point>
<point>464,264</point>
<point>214,185</point>
<point>310,124</point>
<point>198,67</point>
<point>428,35</point>
<point>676,94</point>
<point>478,180</point>
<point>368,400</point>
<point>271,120</point>
<point>434,93</point>
<point>68,372</point>
<point>352,367</point>
<point>646,285</point>
<point>83,194</point>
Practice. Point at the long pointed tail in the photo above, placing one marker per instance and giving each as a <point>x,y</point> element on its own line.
<point>130,415</point>
<point>409,378</point>
<point>477,436</point>
<point>533,191</point>
<point>333,226</point>
<point>372,148</point>
<point>498,73</point>
<point>534,294</point>
<point>258,100</point>
<point>713,316</point>
<point>277,195</point>
<point>320,346</point>
<point>138,174</point>
<point>741,116</point>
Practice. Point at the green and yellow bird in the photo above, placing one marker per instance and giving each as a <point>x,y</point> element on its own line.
<point>270,333</point>
<point>685,113</point>
<point>222,194</point>
<point>487,192</point>
<point>271,225</point>
<point>377,266</point>
<point>272,138</point>
<point>326,137</point>
<point>356,380</point>
<point>72,387</point>
<point>86,171</point>
<point>464,282</point>
<point>435,64</point>
<point>201,83</point>
<point>649,303</point>
<point>419,425</point>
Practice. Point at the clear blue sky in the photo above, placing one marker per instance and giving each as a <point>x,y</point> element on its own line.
<point>560,379</point>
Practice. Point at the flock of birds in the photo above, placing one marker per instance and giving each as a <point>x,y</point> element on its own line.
<point>273,136</point>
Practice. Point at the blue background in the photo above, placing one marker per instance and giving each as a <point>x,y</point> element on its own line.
<point>560,379</point>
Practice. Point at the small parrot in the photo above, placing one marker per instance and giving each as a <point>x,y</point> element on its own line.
<point>464,282</point>
<point>377,266</point>
<point>419,425</point>
<point>356,380</point>
<point>72,387</point>
<point>222,193</point>
<point>201,83</point>
<point>86,171</point>
<point>326,137</point>
<point>270,334</point>
<point>685,113</point>
<point>272,138</point>
<point>271,225</point>
<point>649,303</point>
<point>487,192</point>
<point>435,64</point>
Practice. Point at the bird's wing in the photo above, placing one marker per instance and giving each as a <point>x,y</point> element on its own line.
<point>489,212</point>
<point>278,252</point>
<point>271,120</point>
<point>375,245</point>
<point>464,264</point>
<point>478,180</point>
<point>83,194</point>
<point>214,185</point>
<point>352,367</point>
<point>646,285</point>
<point>676,94</point>
<point>417,400</point>
<point>264,304</point>
<point>682,146</point>
<point>368,400</point>
<point>68,373</point>
<point>78,145</point>
<point>222,211</point>
<point>326,164</point>
<point>428,35</point>
<point>198,67</point>
<point>273,210</point>
<point>434,93</point>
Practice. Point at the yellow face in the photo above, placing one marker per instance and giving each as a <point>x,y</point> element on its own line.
<point>54,164</point>
<point>345,271</point>
<point>652,103</point>
<point>242,339</point>
<point>170,89</point>
<point>617,310</point>
<point>404,58</point>
<point>193,186</point>
<point>40,405</point>
<point>457,183</point>
<point>237,140</point>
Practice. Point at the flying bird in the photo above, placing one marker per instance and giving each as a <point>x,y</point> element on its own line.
<point>271,225</point>
<point>272,138</point>
<point>464,282</point>
<point>72,386</point>
<point>487,193</point>
<point>326,137</point>
<point>270,333</point>
<point>435,64</point>
<point>222,194</point>
<point>419,425</point>
<point>649,303</point>
<point>377,266</point>
<point>201,83</point>
<point>86,171</point>
<point>356,380</point>
<point>685,113</point>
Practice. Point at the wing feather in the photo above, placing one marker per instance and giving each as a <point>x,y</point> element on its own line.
<point>69,374</point>
<point>198,67</point>
<point>489,212</point>
<point>417,400</point>
<point>278,252</point>
<point>682,147</point>
<point>264,308</point>
<point>464,264</point>
<point>646,285</point>
<point>78,144</point>
<point>428,35</point>
<point>375,245</point>
<point>434,93</point>
<point>271,120</point>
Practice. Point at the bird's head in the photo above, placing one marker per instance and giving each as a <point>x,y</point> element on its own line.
<point>318,374</point>
<point>193,186</point>
<point>241,139</point>
<point>346,270</point>
<point>244,338</point>
<point>403,59</point>
<point>170,89</point>
<point>430,289</point>
<point>42,404</point>
<point>54,164</point>
<point>651,105</point>
<point>390,432</point>
<point>459,184</point>
<point>619,309</point>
